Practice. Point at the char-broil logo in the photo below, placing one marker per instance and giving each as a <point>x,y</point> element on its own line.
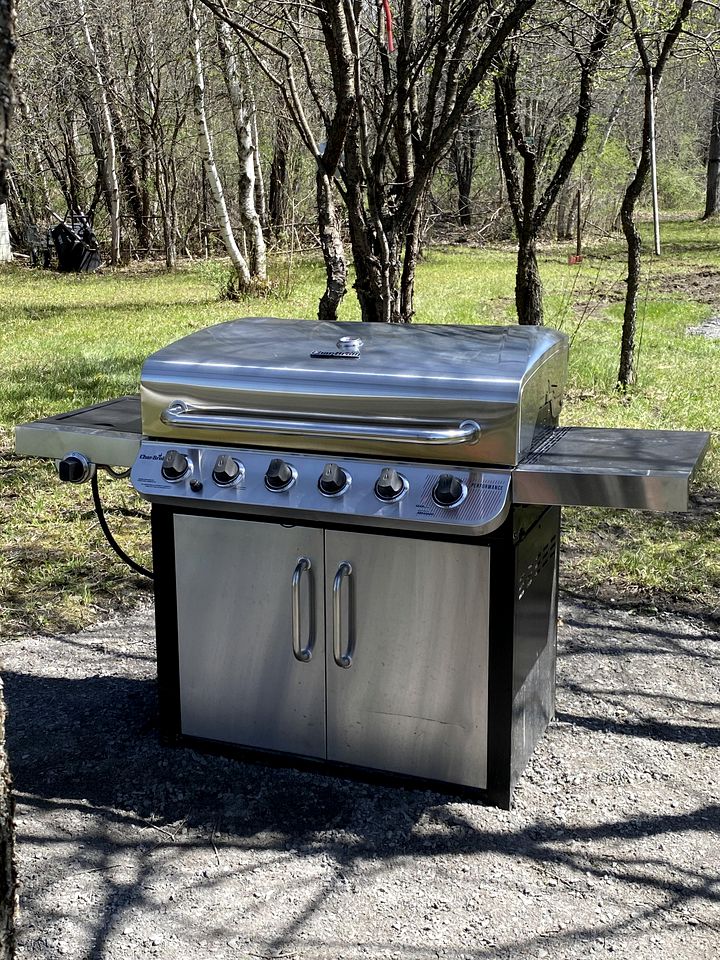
<point>151,456</point>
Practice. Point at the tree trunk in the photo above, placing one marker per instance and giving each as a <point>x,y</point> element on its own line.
<point>7,49</point>
<point>332,248</point>
<point>410,259</point>
<point>463,156</point>
<point>166,183</point>
<point>260,203</point>
<point>8,879</point>
<point>141,114</point>
<point>528,286</point>
<point>653,76</point>
<point>111,177</point>
<point>5,249</point>
<point>246,149</point>
<point>221,212</point>
<point>626,372</point>
<point>128,165</point>
<point>277,199</point>
<point>563,223</point>
<point>712,189</point>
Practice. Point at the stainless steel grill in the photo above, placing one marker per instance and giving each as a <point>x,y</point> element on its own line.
<point>355,535</point>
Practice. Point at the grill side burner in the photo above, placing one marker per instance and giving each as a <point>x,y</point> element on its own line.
<point>356,533</point>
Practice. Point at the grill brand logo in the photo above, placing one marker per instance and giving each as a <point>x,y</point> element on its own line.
<point>151,456</point>
<point>335,355</point>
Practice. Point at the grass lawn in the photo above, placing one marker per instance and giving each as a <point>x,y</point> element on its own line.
<point>69,341</point>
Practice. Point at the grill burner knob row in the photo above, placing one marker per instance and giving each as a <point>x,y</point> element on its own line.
<point>448,491</point>
<point>390,485</point>
<point>175,465</point>
<point>333,480</point>
<point>279,475</point>
<point>225,471</point>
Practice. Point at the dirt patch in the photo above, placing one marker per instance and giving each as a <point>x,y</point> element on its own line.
<point>131,850</point>
<point>703,285</point>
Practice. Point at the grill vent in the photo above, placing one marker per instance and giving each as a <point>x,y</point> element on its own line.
<point>533,569</point>
<point>545,441</point>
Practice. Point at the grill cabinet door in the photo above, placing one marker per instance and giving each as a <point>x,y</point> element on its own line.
<point>414,698</point>
<point>240,681</point>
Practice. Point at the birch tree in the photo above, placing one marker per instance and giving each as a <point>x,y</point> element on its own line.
<point>222,216</point>
<point>110,171</point>
<point>242,112</point>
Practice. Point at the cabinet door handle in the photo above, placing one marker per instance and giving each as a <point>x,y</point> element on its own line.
<point>303,654</point>
<point>344,660</point>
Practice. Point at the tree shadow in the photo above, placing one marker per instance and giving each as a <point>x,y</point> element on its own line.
<point>90,746</point>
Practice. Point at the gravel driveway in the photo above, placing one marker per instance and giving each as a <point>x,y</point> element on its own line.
<point>131,850</point>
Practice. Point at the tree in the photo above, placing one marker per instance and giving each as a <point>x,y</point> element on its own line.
<point>239,263</point>
<point>463,153</point>
<point>8,882</point>
<point>242,106</point>
<point>660,30</point>
<point>389,117</point>
<point>109,169</point>
<point>535,135</point>
<point>712,186</point>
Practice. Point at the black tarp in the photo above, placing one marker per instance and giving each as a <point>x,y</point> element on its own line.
<point>76,246</point>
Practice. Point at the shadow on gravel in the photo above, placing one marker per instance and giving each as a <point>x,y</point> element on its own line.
<point>89,747</point>
<point>653,729</point>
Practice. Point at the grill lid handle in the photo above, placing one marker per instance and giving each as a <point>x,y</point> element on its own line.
<point>180,414</point>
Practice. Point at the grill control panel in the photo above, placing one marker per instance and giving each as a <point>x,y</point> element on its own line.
<point>300,486</point>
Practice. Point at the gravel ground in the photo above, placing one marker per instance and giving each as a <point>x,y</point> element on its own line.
<point>128,849</point>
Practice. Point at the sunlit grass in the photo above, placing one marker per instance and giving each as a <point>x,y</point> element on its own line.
<point>70,341</point>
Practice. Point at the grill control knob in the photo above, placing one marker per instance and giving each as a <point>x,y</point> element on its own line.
<point>175,465</point>
<point>389,484</point>
<point>333,479</point>
<point>448,491</point>
<point>225,471</point>
<point>279,475</point>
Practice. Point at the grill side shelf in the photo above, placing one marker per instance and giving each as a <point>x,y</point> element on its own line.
<point>597,467</point>
<point>107,433</point>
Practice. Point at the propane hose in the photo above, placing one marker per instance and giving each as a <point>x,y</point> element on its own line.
<point>138,568</point>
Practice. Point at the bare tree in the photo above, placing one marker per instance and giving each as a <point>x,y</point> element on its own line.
<point>712,183</point>
<point>108,133</point>
<point>388,118</point>
<point>239,263</point>
<point>659,31</point>
<point>536,138</point>
<point>135,189</point>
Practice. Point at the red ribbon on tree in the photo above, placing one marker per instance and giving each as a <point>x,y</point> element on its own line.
<point>388,26</point>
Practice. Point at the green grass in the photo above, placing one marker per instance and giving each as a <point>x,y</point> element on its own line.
<point>69,341</point>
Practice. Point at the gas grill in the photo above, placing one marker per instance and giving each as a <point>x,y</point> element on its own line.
<point>355,535</point>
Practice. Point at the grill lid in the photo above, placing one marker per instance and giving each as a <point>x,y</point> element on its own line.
<point>376,389</point>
